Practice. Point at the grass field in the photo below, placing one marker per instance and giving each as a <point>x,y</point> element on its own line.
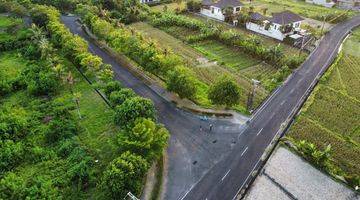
<point>209,60</point>
<point>332,113</point>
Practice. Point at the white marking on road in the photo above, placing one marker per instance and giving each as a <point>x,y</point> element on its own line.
<point>259,131</point>
<point>225,175</point>
<point>244,151</point>
<point>292,90</point>
<point>188,191</point>
<point>282,103</point>
<point>299,81</point>
<point>272,115</point>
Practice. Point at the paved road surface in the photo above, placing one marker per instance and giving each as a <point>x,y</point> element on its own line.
<point>227,171</point>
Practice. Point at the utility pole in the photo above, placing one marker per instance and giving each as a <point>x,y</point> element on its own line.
<point>250,102</point>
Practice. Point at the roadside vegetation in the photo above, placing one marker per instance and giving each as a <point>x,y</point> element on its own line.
<point>59,139</point>
<point>327,131</point>
<point>217,50</point>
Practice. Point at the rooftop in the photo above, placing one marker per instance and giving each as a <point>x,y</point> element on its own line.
<point>285,17</point>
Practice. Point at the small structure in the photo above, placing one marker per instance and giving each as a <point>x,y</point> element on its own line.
<point>220,9</point>
<point>349,4</point>
<point>279,26</point>
<point>326,3</point>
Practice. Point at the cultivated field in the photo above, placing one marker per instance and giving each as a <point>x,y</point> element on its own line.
<point>209,60</point>
<point>332,113</point>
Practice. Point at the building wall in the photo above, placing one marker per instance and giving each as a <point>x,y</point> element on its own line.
<point>325,3</point>
<point>213,12</point>
<point>348,4</point>
<point>271,32</point>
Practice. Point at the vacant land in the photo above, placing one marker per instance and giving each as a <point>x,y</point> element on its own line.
<point>97,129</point>
<point>332,113</point>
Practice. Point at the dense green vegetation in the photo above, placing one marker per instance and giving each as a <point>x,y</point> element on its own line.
<point>331,116</point>
<point>66,129</point>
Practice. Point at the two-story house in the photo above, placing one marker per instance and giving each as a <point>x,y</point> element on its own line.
<point>218,9</point>
<point>279,26</point>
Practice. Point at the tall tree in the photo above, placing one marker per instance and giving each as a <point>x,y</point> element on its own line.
<point>124,174</point>
<point>225,92</point>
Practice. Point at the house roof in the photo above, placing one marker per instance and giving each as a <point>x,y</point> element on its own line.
<point>257,16</point>
<point>285,17</point>
<point>222,3</point>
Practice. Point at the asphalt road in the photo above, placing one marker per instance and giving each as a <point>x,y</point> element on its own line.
<point>228,170</point>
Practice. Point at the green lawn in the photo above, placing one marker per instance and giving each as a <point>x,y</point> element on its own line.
<point>332,113</point>
<point>97,126</point>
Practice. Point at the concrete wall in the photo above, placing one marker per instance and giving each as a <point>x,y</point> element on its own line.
<point>216,14</point>
<point>271,32</point>
<point>325,3</point>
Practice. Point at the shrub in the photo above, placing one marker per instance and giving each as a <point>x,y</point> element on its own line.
<point>193,6</point>
<point>118,97</point>
<point>11,154</point>
<point>40,80</point>
<point>133,108</point>
<point>225,92</point>
<point>111,87</point>
<point>181,81</point>
<point>124,174</point>
<point>145,138</point>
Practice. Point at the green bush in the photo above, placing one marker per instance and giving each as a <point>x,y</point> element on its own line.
<point>145,138</point>
<point>110,87</point>
<point>118,97</point>
<point>182,81</point>
<point>132,109</point>
<point>225,92</point>
<point>124,174</point>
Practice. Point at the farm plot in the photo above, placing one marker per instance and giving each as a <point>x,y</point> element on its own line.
<point>208,59</point>
<point>332,113</point>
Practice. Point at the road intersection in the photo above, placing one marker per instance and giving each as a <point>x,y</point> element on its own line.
<point>228,168</point>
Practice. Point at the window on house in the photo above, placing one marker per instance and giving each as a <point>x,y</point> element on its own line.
<point>237,9</point>
<point>212,10</point>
